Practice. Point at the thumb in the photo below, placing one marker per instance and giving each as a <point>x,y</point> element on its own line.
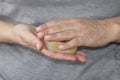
<point>38,44</point>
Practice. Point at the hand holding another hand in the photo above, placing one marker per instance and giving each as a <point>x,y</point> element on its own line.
<point>78,32</point>
<point>26,35</point>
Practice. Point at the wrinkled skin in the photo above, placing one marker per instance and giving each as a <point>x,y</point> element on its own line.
<point>26,35</point>
<point>78,32</point>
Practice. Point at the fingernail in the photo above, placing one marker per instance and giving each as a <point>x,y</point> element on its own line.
<point>47,37</point>
<point>61,47</point>
<point>40,34</point>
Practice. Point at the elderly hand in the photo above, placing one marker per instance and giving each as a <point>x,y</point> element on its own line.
<point>78,32</point>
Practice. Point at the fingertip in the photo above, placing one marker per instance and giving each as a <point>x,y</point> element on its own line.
<point>40,34</point>
<point>81,58</point>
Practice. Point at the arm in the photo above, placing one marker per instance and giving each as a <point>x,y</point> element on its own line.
<point>115,22</point>
<point>6,31</point>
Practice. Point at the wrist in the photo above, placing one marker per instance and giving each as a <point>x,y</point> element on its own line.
<point>6,31</point>
<point>114,30</point>
<point>117,30</point>
<point>15,33</point>
<point>19,32</point>
<point>11,34</point>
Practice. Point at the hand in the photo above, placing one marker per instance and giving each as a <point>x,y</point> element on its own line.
<point>26,35</point>
<point>79,56</point>
<point>78,32</point>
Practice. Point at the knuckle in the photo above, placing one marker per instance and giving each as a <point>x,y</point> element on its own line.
<point>67,45</point>
<point>59,28</point>
<point>56,28</point>
<point>68,33</point>
<point>70,44</point>
<point>77,41</point>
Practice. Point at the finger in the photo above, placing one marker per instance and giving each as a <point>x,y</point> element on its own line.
<point>59,28</point>
<point>71,44</point>
<point>59,56</point>
<point>40,35</point>
<point>55,29</point>
<point>41,27</point>
<point>50,24</point>
<point>81,53</point>
<point>39,44</point>
<point>81,56</point>
<point>34,41</point>
<point>63,36</point>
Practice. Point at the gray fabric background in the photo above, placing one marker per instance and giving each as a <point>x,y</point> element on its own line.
<point>19,63</point>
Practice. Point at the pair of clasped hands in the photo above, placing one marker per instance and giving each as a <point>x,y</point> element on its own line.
<point>76,32</point>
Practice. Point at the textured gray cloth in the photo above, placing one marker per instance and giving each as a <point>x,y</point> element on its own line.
<point>19,63</point>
